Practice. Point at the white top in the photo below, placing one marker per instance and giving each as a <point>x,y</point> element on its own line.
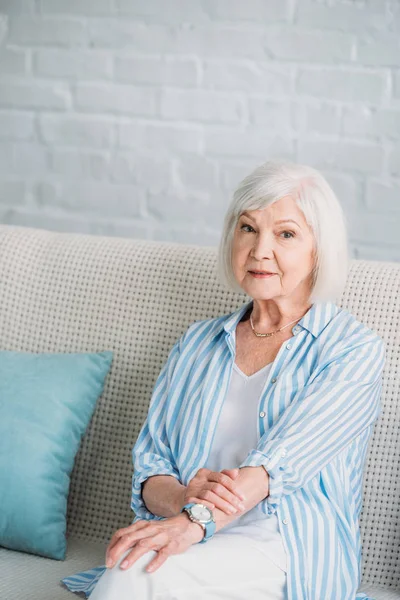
<point>236,434</point>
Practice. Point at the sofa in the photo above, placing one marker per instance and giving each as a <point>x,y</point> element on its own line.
<point>67,292</point>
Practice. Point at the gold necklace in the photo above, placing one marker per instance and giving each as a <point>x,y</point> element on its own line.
<point>272,332</point>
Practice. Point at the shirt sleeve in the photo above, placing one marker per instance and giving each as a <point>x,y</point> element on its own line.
<point>151,454</point>
<point>326,415</point>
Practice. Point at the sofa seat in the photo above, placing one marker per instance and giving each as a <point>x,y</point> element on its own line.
<point>380,593</point>
<point>28,577</point>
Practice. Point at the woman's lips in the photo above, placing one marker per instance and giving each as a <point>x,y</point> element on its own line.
<point>261,275</point>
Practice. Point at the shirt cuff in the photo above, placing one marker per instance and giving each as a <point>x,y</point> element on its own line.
<point>274,464</point>
<point>137,503</point>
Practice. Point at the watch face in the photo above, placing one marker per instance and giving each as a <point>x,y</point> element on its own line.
<point>202,513</point>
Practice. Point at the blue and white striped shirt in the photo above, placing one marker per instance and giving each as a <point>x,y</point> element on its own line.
<point>316,415</point>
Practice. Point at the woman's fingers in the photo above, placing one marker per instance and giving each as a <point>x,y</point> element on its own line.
<point>126,541</point>
<point>219,502</point>
<point>142,547</point>
<point>232,473</point>
<point>226,482</point>
<point>121,532</point>
<point>210,505</point>
<point>225,495</point>
<point>160,559</point>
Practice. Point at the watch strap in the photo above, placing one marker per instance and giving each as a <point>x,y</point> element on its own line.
<point>209,527</point>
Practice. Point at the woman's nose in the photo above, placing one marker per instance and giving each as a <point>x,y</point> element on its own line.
<point>262,249</point>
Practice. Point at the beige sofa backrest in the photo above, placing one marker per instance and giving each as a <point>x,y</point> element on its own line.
<point>80,293</point>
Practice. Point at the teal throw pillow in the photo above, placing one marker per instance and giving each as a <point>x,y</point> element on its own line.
<point>46,404</point>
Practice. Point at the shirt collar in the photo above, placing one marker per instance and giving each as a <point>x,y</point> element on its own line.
<point>314,321</point>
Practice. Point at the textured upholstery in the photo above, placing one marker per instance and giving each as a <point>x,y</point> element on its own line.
<point>64,292</point>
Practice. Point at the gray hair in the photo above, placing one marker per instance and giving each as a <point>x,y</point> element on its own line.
<point>268,183</point>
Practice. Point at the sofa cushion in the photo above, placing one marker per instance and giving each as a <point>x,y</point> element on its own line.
<point>26,576</point>
<point>46,403</point>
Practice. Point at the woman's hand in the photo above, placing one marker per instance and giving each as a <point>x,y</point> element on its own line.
<point>169,536</point>
<point>215,489</point>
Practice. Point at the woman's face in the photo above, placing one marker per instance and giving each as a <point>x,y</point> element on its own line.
<point>262,242</point>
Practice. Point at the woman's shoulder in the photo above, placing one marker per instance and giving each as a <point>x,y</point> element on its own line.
<point>347,337</point>
<point>205,329</point>
<point>352,328</point>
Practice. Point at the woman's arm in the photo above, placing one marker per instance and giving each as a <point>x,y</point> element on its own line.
<point>163,495</point>
<point>151,454</point>
<point>324,417</point>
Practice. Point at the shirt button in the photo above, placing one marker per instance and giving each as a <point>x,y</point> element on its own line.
<point>262,414</point>
<point>273,380</point>
<point>288,346</point>
<point>285,521</point>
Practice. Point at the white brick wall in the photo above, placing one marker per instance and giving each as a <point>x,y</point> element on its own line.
<point>138,118</point>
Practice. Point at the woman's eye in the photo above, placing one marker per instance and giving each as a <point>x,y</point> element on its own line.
<point>291,233</point>
<point>246,226</point>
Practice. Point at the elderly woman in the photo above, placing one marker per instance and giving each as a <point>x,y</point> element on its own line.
<point>248,469</point>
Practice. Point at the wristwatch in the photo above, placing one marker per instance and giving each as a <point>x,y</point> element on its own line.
<point>201,514</point>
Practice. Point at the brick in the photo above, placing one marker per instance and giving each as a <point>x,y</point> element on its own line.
<point>184,234</point>
<point>76,7</point>
<point>178,207</point>
<point>44,31</point>
<point>373,228</point>
<point>251,10</point>
<point>196,173</point>
<point>211,39</point>
<point>345,85</point>
<point>341,16</point>
<point>155,11</point>
<point>16,126</point>
<point>84,131</point>
<point>78,164</point>
<point>114,98</point>
<point>381,251</point>
<point>257,144</point>
<point>72,64</point>
<point>220,41</point>
<point>383,196</point>
<point>276,115</point>
<point>30,159</point>
<point>164,137</point>
<point>3,28</point>
<point>396,84</point>
<point>394,160</point>
<point>344,155</point>
<point>371,122</point>
<point>23,158</point>
<point>76,223</point>
<point>12,193</point>
<point>34,95</point>
<point>13,62</point>
<point>348,188</point>
<point>200,105</point>
<point>231,172</point>
<point>17,7</point>
<point>300,46</point>
<point>381,50</point>
<point>248,76</point>
<point>6,158</point>
<point>109,200</point>
<point>183,72</point>
<point>314,116</point>
<point>151,172</point>
<point>128,34</point>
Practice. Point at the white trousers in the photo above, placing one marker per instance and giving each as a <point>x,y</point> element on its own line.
<point>227,567</point>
